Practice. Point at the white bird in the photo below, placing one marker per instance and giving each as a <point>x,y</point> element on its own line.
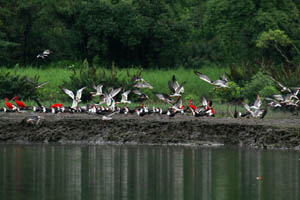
<point>76,99</point>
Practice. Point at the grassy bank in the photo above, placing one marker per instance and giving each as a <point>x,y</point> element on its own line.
<point>56,76</point>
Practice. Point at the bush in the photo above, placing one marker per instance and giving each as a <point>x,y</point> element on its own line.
<point>84,75</point>
<point>260,84</point>
<point>15,85</point>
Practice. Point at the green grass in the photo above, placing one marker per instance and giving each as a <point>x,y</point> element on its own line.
<point>194,87</point>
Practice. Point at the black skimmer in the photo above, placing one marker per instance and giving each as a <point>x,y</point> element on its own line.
<point>141,95</point>
<point>175,88</point>
<point>33,120</point>
<point>44,54</point>
<point>125,97</point>
<point>76,99</point>
<point>142,84</point>
<point>256,111</point>
<point>108,117</point>
<point>165,98</point>
<point>98,89</point>
<point>222,83</point>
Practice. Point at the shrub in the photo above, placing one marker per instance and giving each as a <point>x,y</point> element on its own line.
<point>15,85</point>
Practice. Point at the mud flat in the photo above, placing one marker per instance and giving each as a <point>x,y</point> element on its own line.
<point>154,129</point>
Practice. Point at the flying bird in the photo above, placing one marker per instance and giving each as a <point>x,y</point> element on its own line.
<point>221,83</point>
<point>76,99</point>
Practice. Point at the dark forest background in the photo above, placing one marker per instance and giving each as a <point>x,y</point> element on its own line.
<point>151,33</point>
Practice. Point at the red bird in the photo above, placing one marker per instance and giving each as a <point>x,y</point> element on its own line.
<point>8,104</point>
<point>19,103</point>
<point>57,105</point>
<point>191,105</point>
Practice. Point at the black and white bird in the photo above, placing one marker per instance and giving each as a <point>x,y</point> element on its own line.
<point>142,84</point>
<point>175,88</point>
<point>125,97</point>
<point>221,83</point>
<point>44,54</point>
<point>165,98</point>
<point>141,95</point>
<point>76,99</point>
<point>98,89</point>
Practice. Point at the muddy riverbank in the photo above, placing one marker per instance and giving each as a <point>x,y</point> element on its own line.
<point>155,129</point>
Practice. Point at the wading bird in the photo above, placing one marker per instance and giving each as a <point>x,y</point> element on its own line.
<point>20,104</point>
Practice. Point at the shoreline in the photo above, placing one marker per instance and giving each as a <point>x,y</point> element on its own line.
<point>82,128</point>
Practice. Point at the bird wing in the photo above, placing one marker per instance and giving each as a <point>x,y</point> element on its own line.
<point>175,83</point>
<point>224,78</point>
<point>79,93</point>
<point>147,85</point>
<point>246,106</point>
<point>278,97</point>
<point>113,92</point>
<point>180,89</point>
<point>204,101</point>
<point>99,88</point>
<point>203,77</point>
<point>137,92</point>
<point>125,95</point>
<point>41,85</point>
<point>171,86</point>
<point>257,103</point>
<point>161,97</point>
<point>69,92</point>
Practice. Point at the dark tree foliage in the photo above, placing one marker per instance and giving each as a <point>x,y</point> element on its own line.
<point>148,33</point>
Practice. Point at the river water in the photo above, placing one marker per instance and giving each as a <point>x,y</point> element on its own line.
<point>129,172</point>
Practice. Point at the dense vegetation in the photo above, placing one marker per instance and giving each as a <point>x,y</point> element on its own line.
<point>151,33</point>
<point>107,41</point>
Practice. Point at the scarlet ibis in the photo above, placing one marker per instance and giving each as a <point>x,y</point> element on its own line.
<point>8,104</point>
<point>56,105</point>
<point>191,105</point>
<point>19,103</point>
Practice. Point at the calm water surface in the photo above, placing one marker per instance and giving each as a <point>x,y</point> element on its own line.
<point>73,172</point>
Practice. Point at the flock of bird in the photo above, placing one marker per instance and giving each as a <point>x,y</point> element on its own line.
<point>108,104</point>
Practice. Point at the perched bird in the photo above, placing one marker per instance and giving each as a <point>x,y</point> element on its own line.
<point>222,83</point>
<point>9,105</point>
<point>76,99</point>
<point>175,88</point>
<point>56,105</point>
<point>20,104</point>
<point>33,120</point>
